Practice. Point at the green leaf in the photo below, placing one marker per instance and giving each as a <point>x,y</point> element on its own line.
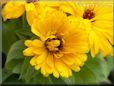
<point>26,71</point>
<point>16,51</point>
<point>38,78</point>
<point>56,81</point>
<point>13,80</point>
<point>95,71</point>
<point>25,32</point>
<point>5,74</point>
<point>110,62</point>
<point>17,68</point>
<point>15,29</point>
<point>15,57</point>
<point>9,33</point>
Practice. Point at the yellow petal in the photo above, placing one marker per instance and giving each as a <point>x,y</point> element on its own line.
<point>78,61</point>
<point>35,30</point>
<point>55,73</point>
<point>15,11</point>
<point>38,66</point>
<point>75,68</point>
<point>72,8</point>
<point>81,57</point>
<point>106,47</point>
<point>39,51</point>
<point>41,58</point>
<point>92,44</point>
<point>68,7</point>
<point>62,68</point>
<point>33,61</point>
<point>99,43</point>
<point>58,54</point>
<point>68,59</point>
<point>93,51</point>
<point>31,13</point>
<point>37,43</point>
<point>104,12</point>
<point>45,24</point>
<point>50,60</point>
<point>78,44</point>
<point>45,69</point>
<point>28,43</point>
<point>28,52</point>
<point>109,36</point>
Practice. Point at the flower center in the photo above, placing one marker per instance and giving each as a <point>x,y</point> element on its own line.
<point>31,1</point>
<point>54,43</point>
<point>88,14</point>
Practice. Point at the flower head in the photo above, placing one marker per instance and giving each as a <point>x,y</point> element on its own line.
<point>97,19</point>
<point>32,8</point>
<point>60,49</point>
<point>13,10</point>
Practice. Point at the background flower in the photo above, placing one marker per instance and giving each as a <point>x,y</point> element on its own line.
<point>32,8</point>
<point>97,19</point>
<point>13,10</point>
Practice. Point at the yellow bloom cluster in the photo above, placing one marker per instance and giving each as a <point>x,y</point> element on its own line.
<point>67,31</point>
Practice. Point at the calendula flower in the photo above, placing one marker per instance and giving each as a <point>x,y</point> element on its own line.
<point>19,7</point>
<point>97,19</point>
<point>13,10</point>
<point>60,49</point>
<point>32,8</point>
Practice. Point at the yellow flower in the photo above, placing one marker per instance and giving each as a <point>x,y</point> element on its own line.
<point>13,10</point>
<point>32,8</point>
<point>60,49</point>
<point>18,8</point>
<point>97,19</point>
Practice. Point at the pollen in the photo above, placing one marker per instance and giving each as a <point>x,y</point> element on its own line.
<point>88,14</point>
<point>53,44</point>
